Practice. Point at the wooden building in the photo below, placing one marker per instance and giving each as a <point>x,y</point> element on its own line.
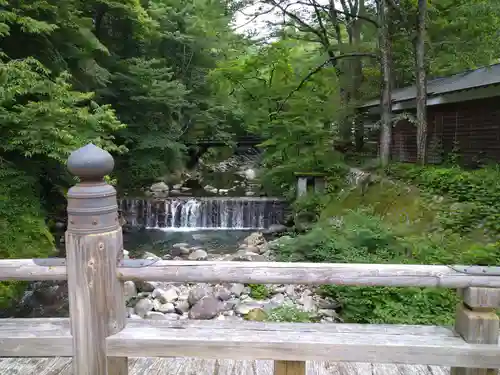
<point>463,115</point>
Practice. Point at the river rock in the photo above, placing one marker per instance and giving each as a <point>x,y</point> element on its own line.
<point>245,307</point>
<point>165,296</point>
<point>278,299</point>
<point>182,307</point>
<point>159,186</point>
<point>143,306</point>
<point>198,293</point>
<point>153,315</point>
<point>150,256</point>
<point>198,255</point>
<point>222,293</point>
<point>166,308</point>
<point>130,290</point>
<point>180,244</point>
<point>247,256</point>
<point>135,316</point>
<point>255,239</point>
<point>206,308</point>
<point>276,228</point>
<point>308,303</point>
<point>237,289</point>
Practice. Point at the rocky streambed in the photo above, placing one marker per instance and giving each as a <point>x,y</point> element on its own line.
<point>231,301</point>
<point>177,301</point>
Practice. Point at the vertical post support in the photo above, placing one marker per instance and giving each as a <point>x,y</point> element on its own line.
<point>319,184</point>
<point>301,186</point>
<point>477,322</point>
<point>93,248</point>
<point>289,368</point>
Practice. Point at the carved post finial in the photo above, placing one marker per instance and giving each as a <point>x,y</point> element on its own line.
<point>90,163</point>
<point>92,206</point>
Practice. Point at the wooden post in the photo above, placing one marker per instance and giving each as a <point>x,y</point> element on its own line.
<point>319,184</point>
<point>289,368</point>
<point>301,186</point>
<point>93,247</point>
<point>477,322</point>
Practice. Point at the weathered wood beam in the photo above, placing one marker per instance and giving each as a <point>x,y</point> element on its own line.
<point>33,269</point>
<point>306,273</point>
<point>239,341</point>
<point>401,275</point>
<point>44,337</point>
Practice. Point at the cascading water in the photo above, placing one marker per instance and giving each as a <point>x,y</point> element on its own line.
<point>203,213</point>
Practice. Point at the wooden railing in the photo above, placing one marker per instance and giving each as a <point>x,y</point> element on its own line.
<point>100,338</point>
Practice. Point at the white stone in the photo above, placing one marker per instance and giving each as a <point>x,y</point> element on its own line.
<point>198,255</point>
<point>130,290</point>
<point>134,316</point>
<point>245,308</point>
<point>167,308</point>
<point>237,289</point>
<point>165,296</point>
<point>153,315</point>
<point>143,306</point>
<point>159,187</point>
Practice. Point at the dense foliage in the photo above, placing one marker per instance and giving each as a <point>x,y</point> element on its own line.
<point>146,80</point>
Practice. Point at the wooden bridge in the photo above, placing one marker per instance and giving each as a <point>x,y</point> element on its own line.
<point>102,341</point>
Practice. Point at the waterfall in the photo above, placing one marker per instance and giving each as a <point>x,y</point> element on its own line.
<point>203,213</point>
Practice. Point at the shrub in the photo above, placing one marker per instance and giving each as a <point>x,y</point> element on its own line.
<point>23,233</point>
<point>362,237</point>
<point>290,314</point>
<point>258,291</point>
<point>479,189</point>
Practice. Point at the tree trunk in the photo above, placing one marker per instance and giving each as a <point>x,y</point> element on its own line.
<point>386,102</point>
<point>357,75</point>
<point>421,84</point>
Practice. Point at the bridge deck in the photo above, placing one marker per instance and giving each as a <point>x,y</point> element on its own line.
<point>191,366</point>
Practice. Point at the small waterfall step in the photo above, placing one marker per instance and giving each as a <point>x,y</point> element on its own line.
<point>203,213</point>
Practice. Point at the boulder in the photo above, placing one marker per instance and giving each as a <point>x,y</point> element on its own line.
<point>198,255</point>
<point>245,307</point>
<point>167,308</point>
<point>258,315</point>
<point>256,239</point>
<point>165,296</point>
<point>222,293</point>
<point>276,228</point>
<point>237,289</point>
<point>199,292</point>
<point>143,306</point>
<point>206,308</point>
<point>130,290</point>
<point>159,187</point>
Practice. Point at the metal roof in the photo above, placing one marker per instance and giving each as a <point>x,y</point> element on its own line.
<point>481,77</point>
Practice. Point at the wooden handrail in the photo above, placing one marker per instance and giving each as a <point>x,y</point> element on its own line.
<point>398,275</point>
<point>99,337</point>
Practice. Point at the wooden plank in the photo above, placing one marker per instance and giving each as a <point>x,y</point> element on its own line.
<point>327,329</point>
<point>35,338</point>
<point>305,273</point>
<point>31,270</point>
<point>481,297</point>
<point>158,339</point>
<point>190,366</point>
<point>289,368</point>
